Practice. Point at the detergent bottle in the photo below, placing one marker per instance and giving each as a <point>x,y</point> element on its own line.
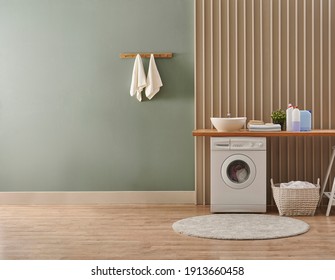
<point>305,120</point>
<point>296,119</point>
<point>289,111</point>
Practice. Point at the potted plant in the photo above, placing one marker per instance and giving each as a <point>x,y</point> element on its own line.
<point>279,117</point>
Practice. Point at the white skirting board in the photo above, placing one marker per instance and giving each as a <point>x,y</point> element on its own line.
<point>79,198</point>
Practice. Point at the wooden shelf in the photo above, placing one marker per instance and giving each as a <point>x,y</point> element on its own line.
<point>247,133</point>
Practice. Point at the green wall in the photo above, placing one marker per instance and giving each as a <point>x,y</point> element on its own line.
<point>67,121</point>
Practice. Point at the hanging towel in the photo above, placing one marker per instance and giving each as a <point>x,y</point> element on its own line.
<point>154,81</point>
<point>138,81</point>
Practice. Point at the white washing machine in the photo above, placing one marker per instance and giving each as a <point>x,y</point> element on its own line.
<point>238,174</point>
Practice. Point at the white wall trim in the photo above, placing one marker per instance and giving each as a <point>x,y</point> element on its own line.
<point>70,198</point>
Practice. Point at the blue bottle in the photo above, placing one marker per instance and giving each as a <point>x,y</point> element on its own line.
<point>305,120</point>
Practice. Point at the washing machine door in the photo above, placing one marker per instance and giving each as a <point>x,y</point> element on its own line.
<point>238,171</point>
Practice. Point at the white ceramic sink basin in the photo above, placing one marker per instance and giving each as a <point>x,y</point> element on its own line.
<point>228,124</point>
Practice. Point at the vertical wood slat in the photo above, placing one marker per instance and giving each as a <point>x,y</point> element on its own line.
<point>212,58</point>
<point>236,57</point>
<point>285,49</point>
<point>198,150</point>
<point>329,62</point>
<point>220,59</point>
<point>261,59</point>
<point>279,54</point>
<point>321,61</point>
<point>329,71</point>
<point>296,51</point>
<point>304,50</point>
<point>296,82</point>
<point>253,57</point>
<point>270,69</point>
<point>244,59</point>
<point>288,96</point>
<point>271,55</point>
<point>228,58</point>
<point>204,103</point>
<point>313,62</point>
<point>321,73</point>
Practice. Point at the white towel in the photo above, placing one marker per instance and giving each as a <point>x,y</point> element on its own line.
<point>264,127</point>
<point>154,81</point>
<point>139,80</point>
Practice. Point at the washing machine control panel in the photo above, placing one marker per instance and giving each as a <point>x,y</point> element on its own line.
<point>239,143</point>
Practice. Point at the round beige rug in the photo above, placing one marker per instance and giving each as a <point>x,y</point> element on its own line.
<point>240,226</point>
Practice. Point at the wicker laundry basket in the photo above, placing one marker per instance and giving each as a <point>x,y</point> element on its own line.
<point>296,202</point>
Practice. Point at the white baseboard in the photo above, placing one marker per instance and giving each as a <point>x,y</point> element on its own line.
<point>77,198</point>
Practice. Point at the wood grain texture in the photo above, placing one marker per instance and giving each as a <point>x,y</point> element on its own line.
<point>254,57</point>
<point>127,232</point>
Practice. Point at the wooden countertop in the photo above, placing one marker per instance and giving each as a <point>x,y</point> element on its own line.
<point>246,132</point>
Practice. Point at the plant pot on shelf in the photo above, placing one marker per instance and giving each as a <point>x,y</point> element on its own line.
<point>282,124</point>
<point>279,117</point>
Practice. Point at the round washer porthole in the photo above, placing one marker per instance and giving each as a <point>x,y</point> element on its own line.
<point>238,171</point>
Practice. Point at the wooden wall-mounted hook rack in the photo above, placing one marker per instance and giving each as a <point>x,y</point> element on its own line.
<point>147,55</point>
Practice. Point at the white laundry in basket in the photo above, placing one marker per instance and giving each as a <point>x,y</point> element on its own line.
<point>297,185</point>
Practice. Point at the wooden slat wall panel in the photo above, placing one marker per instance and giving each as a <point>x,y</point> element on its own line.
<point>255,56</point>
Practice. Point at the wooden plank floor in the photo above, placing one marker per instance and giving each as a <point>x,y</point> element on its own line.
<point>126,232</point>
